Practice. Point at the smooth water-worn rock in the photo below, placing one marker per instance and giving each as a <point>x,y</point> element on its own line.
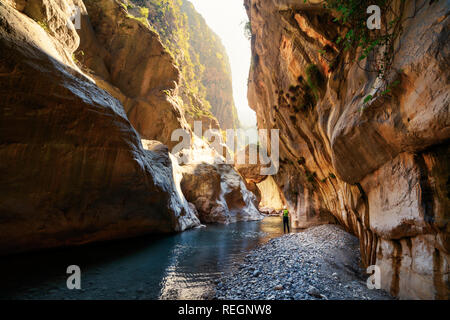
<point>270,194</point>
<point>73,169</point>
<point>381,168</point>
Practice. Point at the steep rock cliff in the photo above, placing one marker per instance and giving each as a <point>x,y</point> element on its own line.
<point>378,163</point>
<point>73,169</point>
<point>205,76</point>
<point>126,57</point>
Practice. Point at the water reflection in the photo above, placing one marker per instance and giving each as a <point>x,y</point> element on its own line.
<point>180,266</point>
<point>200,256</point>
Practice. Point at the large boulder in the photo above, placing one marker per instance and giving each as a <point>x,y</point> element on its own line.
<point>219,193</point>
<point>378,162</point>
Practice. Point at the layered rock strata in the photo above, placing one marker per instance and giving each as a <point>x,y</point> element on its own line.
<point>379,166</point>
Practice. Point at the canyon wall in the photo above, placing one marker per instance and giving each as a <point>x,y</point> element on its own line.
<point>270,194</point>
<point>127,58</point>
<point>378,165</point>
<point>72,167</point>
<point>205,75</point>
<point>80,113</point>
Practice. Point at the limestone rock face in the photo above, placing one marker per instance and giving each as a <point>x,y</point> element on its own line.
<point>253,188</point>
<point>270,194</point>
<point>249,165</point>
<point>381,169</point>
<point>72,167</point>
<point>219,193</point>
<point>128,60</point>
<point>169,174</point>
<point>201,186</point>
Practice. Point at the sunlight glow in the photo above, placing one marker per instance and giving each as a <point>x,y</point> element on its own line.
<point>227,19</point>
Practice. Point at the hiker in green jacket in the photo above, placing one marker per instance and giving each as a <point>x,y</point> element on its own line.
<point>285,220</point>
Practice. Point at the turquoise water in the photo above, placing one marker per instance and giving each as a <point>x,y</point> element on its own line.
<point>180,266</point>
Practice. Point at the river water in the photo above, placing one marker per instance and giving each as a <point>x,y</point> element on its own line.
<point>179,266</point>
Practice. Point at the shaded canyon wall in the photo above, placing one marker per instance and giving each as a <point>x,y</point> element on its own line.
<point>72,167</point>
<point>75,106</point>
<point>381,168</point>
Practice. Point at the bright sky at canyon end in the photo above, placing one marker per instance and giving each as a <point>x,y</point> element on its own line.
<point>227,19</point>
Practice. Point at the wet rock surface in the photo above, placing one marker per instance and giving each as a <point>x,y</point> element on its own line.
<point>322,262</point>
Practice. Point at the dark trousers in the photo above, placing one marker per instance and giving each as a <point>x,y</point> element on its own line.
<point>285,224</point>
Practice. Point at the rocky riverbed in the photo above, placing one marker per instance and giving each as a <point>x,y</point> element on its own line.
<point>322,262</point>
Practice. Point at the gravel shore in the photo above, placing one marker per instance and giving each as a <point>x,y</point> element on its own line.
<point>322,262</point>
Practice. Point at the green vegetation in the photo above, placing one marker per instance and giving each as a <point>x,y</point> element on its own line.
<point>304,95</point>
<point>205,74</point>
<point>368,98</point>
<point>124,5</point>
<point>314,79</point>
<point>144,12</point>
<point>376,46</point>
<point>248,30</point>
<point>76,55</point>
<point>142,20</point>
<point>43,25</point>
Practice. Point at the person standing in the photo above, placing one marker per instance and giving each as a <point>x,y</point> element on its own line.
<point>285,220</point>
